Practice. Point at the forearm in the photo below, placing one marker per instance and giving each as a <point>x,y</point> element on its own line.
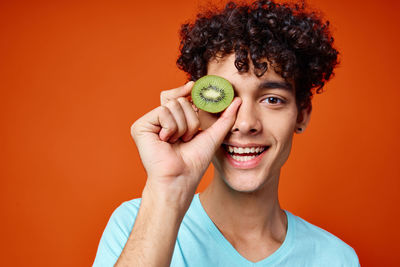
<point>153,237</point>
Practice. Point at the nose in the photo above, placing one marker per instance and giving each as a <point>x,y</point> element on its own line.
<point>247,119</point>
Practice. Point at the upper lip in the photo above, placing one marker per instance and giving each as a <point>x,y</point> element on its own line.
<point>243,145</point>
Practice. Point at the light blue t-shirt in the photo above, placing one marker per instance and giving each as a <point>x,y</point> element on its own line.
<point>200,243</point>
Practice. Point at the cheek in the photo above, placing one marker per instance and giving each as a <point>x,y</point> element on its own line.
<point>206,119</point>
<point>283,127</point>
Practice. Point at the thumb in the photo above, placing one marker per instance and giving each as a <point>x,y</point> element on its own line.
<point>217,132</point>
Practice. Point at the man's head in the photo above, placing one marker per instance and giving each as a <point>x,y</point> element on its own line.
<point>274,56</point>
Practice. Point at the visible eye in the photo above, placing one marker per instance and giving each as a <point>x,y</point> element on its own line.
<point>273,100</point>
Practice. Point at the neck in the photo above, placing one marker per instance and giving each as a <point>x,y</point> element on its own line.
<point>245,215</point>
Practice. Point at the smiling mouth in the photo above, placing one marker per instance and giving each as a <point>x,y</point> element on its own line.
<point>244,154</point>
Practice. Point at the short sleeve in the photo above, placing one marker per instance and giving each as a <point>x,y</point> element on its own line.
<point>116,233</point>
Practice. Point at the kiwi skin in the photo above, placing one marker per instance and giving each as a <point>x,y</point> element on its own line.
<point>212,93</point>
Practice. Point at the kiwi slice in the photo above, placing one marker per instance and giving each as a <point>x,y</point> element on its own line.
<point>212,93</point>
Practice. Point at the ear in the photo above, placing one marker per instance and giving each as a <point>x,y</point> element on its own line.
<point>303,119</point>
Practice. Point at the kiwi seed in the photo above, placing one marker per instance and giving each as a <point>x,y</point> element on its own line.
<point>212,93</point>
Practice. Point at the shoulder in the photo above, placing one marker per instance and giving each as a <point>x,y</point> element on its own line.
<point>124,216</point>
<point>127,208</point>
<point>324,244</point>
<point>116,233</point>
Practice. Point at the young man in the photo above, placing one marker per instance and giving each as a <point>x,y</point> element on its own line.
<point>274,55</point>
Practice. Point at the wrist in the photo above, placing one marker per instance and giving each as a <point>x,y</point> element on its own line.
<point>175,201</point>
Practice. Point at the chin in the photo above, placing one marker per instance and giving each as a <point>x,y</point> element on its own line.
<point>244,184</point>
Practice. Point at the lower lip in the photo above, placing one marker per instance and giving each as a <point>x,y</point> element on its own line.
<point>249,164</point>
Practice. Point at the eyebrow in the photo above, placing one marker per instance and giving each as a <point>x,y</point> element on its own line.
<point>276,85</point>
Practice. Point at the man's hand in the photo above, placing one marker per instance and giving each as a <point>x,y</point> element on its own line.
<point>174,152</point>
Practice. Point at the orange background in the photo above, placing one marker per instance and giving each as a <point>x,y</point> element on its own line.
<point>75,75</point>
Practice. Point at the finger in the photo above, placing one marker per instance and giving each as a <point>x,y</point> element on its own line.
<point>159,122</point>
<point>177,112</point>
<point>216,133</point>
<point>167,123</point>
<point>192,120</point>
<point>182,91</point>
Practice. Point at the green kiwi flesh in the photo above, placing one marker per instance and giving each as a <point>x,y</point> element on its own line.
<point>212,93</point>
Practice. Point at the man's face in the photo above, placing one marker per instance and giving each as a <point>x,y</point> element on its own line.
<point>260,140</point>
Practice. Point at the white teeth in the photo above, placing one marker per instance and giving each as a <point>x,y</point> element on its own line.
<point>244,150</point>
<point>242,158</point>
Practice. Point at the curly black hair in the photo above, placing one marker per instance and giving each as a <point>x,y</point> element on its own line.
<point>296,42</point>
